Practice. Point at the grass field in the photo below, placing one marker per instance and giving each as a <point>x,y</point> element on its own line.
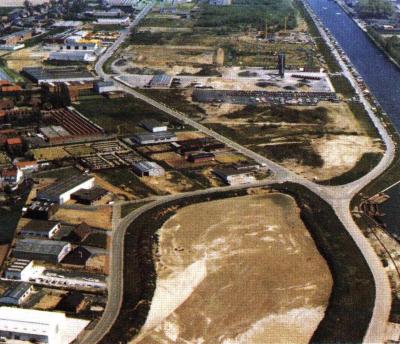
<point>119,116</point>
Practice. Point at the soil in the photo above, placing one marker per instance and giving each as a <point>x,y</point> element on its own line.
<point>242,270</point>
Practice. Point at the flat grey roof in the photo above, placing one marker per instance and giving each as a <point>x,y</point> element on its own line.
<point>39,226</point>
<point>62,186</point>
<point>38,73</point>
<point>154,136</point>
<point>16,291</point>
<point>36,246</point>
<point>151,123</point>
<point>145,166</point>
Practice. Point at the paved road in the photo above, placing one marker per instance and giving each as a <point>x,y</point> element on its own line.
<point>338,197</point>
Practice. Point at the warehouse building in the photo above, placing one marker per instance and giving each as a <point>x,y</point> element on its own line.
<point>17,294</point>
<point>89,196</point>
<point>113,21</point>
<point>40,229</point>
<point>104,86</point>
<point>153,125</point>
<point>148,168</point>
<point>61,191</point>
<point>19,270</point>
<point>46,250</point>
<point>154,138</point>
<point>232,176</point>
<point>41,75</point>
<point>161,81</point>
<point>16,37</point>
<point>39,326</point>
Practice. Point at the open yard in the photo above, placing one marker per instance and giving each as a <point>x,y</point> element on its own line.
<point>255,243</point>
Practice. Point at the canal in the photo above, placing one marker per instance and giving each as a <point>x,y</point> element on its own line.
<point>379,73</point>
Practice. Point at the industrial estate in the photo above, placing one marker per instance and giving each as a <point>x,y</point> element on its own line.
<point>194,171</point>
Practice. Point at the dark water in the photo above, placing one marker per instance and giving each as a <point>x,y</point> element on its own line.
<point>379,73</point>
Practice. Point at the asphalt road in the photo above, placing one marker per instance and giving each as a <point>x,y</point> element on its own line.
<point>338,197</point>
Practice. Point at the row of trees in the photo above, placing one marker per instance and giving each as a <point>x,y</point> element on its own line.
<point>374,8</point>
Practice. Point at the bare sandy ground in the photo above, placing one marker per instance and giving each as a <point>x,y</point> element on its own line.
<point>237,271</point>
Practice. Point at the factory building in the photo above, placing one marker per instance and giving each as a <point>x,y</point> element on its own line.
<point>46,250</point>
<point>104,86</point>
<point>16,37</point>
<point>113,21</point>
<point>41,75</point>
<point>161,81</point>
<point>120,3</point>
<point>40,229</point>
<point>35,326</point>
<point>61,191</point>
<point>148,168</point>
<point>17,294</point>
<point>20,270</point>
<point>220,2</point>
<point>153,125</point>
<point>232,176</point>
<point>154,138</point>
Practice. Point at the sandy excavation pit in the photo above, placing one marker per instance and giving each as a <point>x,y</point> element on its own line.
<point>239,270</point>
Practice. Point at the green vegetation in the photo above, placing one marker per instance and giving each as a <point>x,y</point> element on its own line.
<point>374,8</point>
<point>127,208</point>
<point>121,115</point>
<point>254,13</point>
<point>389,45</point>
<point>342,85</point>
<point>367,162</point>
<point>9,72</point>
<point>353,294</point>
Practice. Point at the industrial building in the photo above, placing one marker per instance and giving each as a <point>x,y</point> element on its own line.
<point>161,81</point>
<point>153,125</point>
<point>120,3</point>
<point>89,196</point>
<point>46,250</point>
<point>41,210</point>
<point>16,37</point>
<point>232,176</point>
<point>41,75</point>
<point>19,270</point>
<point>61,191</point>
<point>201,157</point>
<point>148,168</point>
<point>154,138</point>
<point>104,86</point>
<point>39,326</point>
<point>113,21</point>
<point>220,2</point>
<point>17,294</point>
<point>40,229</point>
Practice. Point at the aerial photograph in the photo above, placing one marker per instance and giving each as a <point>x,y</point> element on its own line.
<point>200,171</point>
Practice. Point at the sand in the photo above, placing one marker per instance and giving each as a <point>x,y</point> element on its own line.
<point>237,271</point>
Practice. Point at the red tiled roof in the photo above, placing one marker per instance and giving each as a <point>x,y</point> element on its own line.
<point>14,141</point>
<point>22,164</point>
<point>9,172</point>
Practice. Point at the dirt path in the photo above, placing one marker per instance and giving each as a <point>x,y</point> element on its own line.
<point>241,270</point>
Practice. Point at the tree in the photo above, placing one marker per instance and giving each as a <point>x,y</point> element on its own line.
<point>375,8</point>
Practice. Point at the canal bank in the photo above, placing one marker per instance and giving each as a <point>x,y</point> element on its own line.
<point>378,72</point>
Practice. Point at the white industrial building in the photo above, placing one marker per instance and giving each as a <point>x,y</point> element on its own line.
<point>121,3</point>
<point>148,168</point>
<point>20,270</point>
<point>105,86</point>
<point>39,326</point>
<point>61,191</point>
<point>153,125</point>
<point>113,21</point>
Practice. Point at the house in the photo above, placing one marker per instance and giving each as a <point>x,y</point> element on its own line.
<point>61,191</point>
<point>148,168</point>
<point>27,166</point>
<point>18,324</point>
<point>17,295</point>
<point>47,250</point>
<point>11,176</point>
<point>154,138</point>
<point>40,229</point>
<point>14,145</point>
<point>153,125</point>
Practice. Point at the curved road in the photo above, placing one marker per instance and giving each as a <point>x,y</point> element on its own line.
<point>338,197</point>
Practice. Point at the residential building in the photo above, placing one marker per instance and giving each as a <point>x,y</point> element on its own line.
<point>45,250</point>
<point>61,191</point>
<point>17,294</point>
<point>12,176</point>
<point>19,269</point>
<point>27,166</point>
<point>39,326</point>
<point>148,168</point>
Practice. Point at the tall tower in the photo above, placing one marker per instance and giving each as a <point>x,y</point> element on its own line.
<point>281,64</point>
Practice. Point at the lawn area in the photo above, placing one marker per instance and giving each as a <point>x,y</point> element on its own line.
<point>119,116</point>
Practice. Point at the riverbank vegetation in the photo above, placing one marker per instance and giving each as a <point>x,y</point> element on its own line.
<point>374,8</point>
